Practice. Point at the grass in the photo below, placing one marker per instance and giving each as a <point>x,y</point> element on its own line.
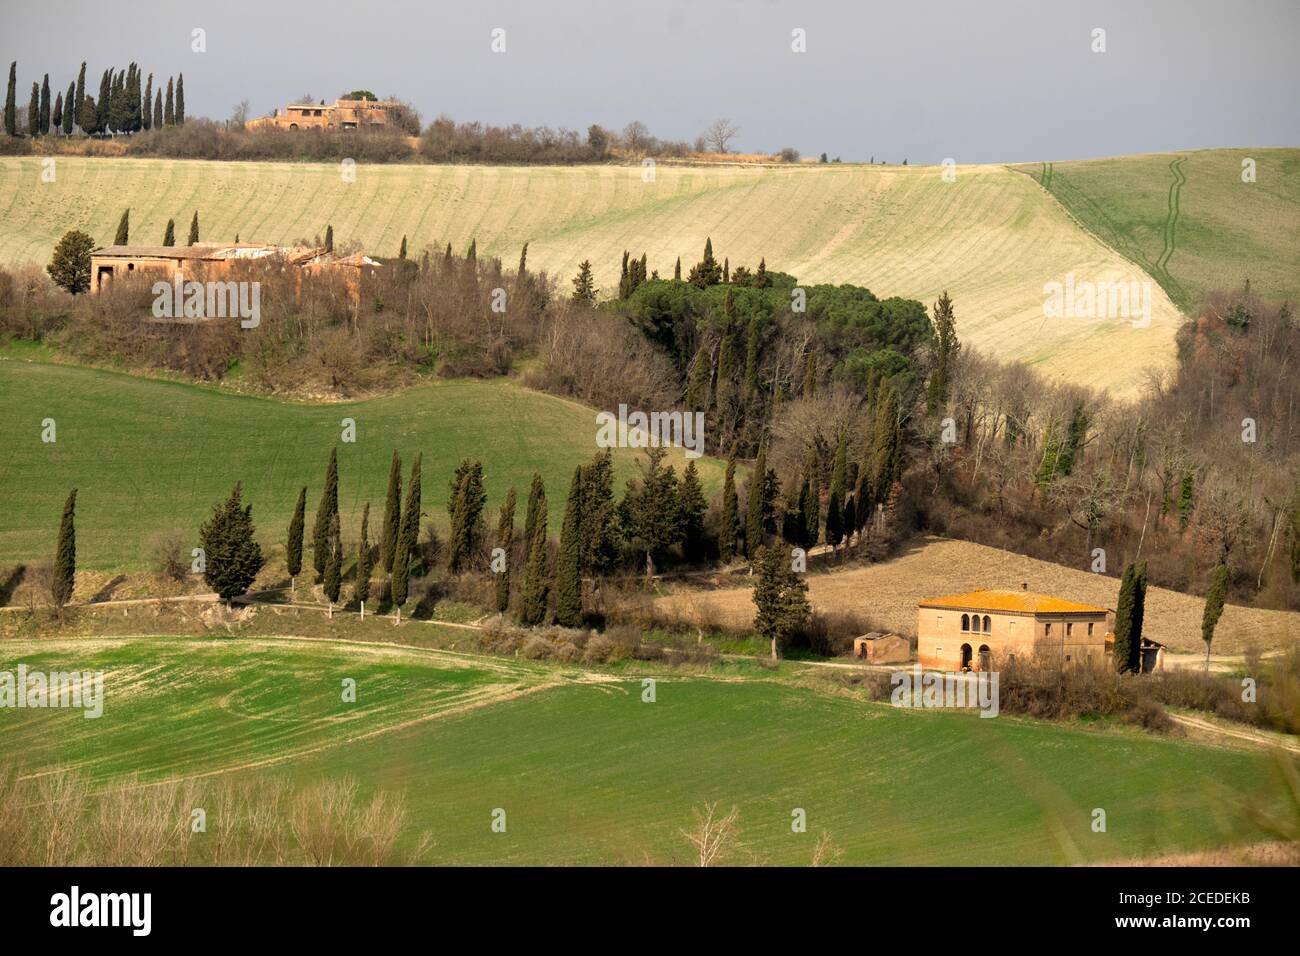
<point>992,238</point>
<point>149,455</point>
<point>588,773</point>
<point>1213,231</point>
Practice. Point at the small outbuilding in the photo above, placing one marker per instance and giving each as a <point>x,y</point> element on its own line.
<point>881,648</point>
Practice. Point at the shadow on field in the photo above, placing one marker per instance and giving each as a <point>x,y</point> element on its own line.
<point>10,583</point>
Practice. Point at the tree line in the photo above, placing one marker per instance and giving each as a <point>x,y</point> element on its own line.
<point>127,102</point>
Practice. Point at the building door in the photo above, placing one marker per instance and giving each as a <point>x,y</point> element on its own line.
<point>984,657</point>
<point>965,657</point>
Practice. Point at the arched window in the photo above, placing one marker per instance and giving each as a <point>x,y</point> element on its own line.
<point>986,623</point>
<point>965,622</point>
<point>984,657</point>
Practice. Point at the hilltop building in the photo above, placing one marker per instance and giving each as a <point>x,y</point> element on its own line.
<point>977,629</point>
<point>344,114</point>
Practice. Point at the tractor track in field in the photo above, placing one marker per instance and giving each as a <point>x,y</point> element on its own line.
<point>1171,218</point>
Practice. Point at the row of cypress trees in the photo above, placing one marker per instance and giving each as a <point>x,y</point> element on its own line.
<point>121,107</point>
<point>122,236</point>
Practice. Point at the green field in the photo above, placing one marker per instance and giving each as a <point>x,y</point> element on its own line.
<point>1188,218</point>
<point>990,237</point>
<point>588,773</point>
<point>149,456</point>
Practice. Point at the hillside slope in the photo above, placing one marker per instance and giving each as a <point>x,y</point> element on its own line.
<point>991,237</point>
<point>151,456</point>
<point>887,594</point>
<point>1189,219</point>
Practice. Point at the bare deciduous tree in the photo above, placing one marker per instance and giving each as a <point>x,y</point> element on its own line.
<point>713,837</point>
<point>719,134</point>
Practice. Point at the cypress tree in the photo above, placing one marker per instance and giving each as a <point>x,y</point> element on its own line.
<point>533,608</point>
<point>361,587</point>
<point>401,253</point>
<point>724,390</point>
<point>45,106</point>
<point>729,531</point>
<point>169,110</point>
<point>1295,535</point>
<point>523,261</point>
<point>123,236</point>
<point>693,507</point>
<point>34,112</point>
<point>810,375</point>
<point>329,238</point>
<point>465,508</point>
<point>392,526</point>
<point>536,508</point>
<point>946,348</point>
<point>169,237</point>
<point>79,97</point>
<point>69,109</point>
<point>599,519</point>
<point>471,254</point>
<point>505,541</point>
<point>11,101</point>
<point>850,520</point>
<point>180,99</point>
<point>755,515</point>
<point>810,504</point>
<point>65,555</point>
<point>408,537</point>
<point>568,565</point>
<point>780,599</point>
<point>334,565</point>
<point>293,549</point>
<point>157,109</point>
<point>835,502</point>
<point>56,115</point>
<point>751,359</point>
<point>87,112</point>
<point>194,229</point>
<point>1124,619</point>
<point>146,117</point>
<point>1214,599</point>
<point>104,103</point>
<point>1186,499</point>
<point>700,377</point>
<point>677,270</point>
<point>327,509</point>
<point>230,544</point>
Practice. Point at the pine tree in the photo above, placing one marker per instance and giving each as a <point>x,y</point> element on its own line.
<point>65,555</point>
<point>568,564</point>
<point>706,272</point>
<point>70,266</point>
<point>835,501</point>
<point>44,122</point>
<point>729,531</point>
<point>180,99</point>
<point>361,586</point>
<point>392,526</point>
<point>532,610</point>
<point>1214,599</point>
<point>584,289</point>
<point>693,507</point>
<point>293,548</point>
<point>408,537</point>
<point>506,542</point>
<point>169,237</point>
<point>229,543</point>
<point>327,509</point>
<point>329,238</point>
<point>465,508</point>
<point>194,229</point>
<point>169,110</point>
<point>333,579</point>
<point>11,101</point>
<point>123,236</point>
<point>651,507</point>
<point>780,599</point>
<point>755,512</point>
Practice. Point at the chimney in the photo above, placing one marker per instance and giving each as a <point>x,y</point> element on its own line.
<point>1024,585</point>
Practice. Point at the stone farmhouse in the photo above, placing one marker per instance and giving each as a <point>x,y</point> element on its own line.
<point>976,630</point>
<point>344,114</point>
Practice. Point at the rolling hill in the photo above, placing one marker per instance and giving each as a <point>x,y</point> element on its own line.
<point>991,237</point>
<point>588,773</point>
<point>1189,219</point>
<point>150,456</point>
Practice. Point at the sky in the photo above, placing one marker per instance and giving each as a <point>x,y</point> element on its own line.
<point>993,81</point>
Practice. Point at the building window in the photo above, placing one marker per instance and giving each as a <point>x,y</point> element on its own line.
<point>986,623</point>
<point>1090,630</point>
<point>965,622</point>
<point>1047,629</point>
<point>1069,628</point>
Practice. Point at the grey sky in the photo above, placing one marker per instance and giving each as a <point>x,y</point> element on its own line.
<point>1006,80</point>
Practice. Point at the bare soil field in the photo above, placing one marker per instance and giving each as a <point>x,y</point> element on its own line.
<point>887,594</point>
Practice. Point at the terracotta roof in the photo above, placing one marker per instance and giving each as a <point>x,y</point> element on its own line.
<point>198,251</point>
<point>1026,602</point>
